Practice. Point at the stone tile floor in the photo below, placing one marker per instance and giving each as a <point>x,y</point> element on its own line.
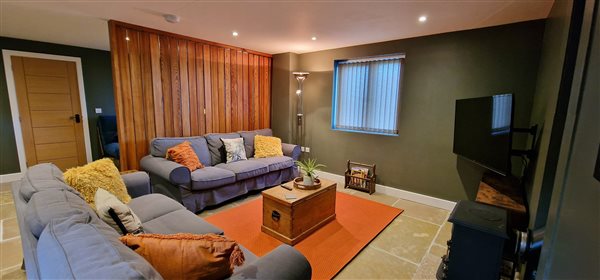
<point>409,248</point>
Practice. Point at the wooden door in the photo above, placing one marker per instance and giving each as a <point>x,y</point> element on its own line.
<point>49,111</point>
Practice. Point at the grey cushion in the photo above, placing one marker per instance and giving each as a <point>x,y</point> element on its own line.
<point>80,248</point>
<point>245,169</point>
<point>215,146</point>
<point>41,177</point>
<point>154,205</point>
<point>284,262</point>
<point>211,177</point>
<point>276,163</point>
<point>51,204</point>
<point>249,139</point>
<point>180,221</point>
<point>159,147</point>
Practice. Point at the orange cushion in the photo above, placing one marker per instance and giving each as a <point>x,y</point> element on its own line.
<point>186,255</point>
<point>184,155</point>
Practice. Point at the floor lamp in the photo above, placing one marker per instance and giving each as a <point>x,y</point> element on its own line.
<point>300,77</point>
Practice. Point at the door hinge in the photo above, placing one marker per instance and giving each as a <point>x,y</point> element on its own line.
<point>205,111</point>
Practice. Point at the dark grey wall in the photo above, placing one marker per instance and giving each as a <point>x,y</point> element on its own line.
<point>439,69</point>
<point>97,79</point>
<point>571,245</point>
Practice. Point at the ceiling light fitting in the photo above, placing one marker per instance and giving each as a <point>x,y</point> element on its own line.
<point>235,34</point>
<point>422,19</point>
<point>172,18</point>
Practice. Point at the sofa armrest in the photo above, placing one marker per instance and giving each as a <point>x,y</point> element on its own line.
<point>170,171</point>
<point>137,183</point>
<point>284,262</point>
<point>291,150</point>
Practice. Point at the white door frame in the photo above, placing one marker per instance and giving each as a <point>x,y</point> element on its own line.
<point>14,106</point>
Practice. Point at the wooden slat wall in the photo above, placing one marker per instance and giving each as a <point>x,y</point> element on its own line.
<point>171,85</point>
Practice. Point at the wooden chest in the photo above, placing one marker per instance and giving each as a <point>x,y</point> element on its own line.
<point>291,220</point>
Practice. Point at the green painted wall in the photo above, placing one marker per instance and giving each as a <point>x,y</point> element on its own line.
<point>539,185</point>
<point>439,69</point>
<point>97,79</point>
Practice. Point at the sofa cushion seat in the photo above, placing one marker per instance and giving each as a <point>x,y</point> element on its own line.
<point>276,163</point>
<point>211,177</point>
<point>180,221</point>
<point>152,206</point>
<point>83,247</point>
<point>245,169</point>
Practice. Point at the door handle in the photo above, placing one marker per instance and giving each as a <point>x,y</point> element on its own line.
<point>76,117</point>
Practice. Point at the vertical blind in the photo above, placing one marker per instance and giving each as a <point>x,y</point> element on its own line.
<point>366,94</point>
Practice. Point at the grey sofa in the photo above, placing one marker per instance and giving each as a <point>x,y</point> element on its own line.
<point>63,238</point>
<point>217,181</point>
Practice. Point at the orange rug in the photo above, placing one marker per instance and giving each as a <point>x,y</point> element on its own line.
<point>328,249</point>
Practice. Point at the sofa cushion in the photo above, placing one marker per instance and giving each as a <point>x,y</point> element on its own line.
<point>41,177</point>
<point>179,221</point>
<point>245,169</point>
<point>51,204</point>
<point>249,139</point>
<point>215,146</point>
<point>211,177</point>
<point>184,155</point>
<point>188,256</point>
<point>276,163</point>
<point>101,173</point>
<point>159,147</point>
<point>116,214</point>
<point>152,206</point>
<point>82,247</point>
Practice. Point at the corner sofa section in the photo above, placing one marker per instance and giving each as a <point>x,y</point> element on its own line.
<point>217,181</point>
<point>63,238</point>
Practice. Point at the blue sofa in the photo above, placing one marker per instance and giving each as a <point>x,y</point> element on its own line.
<point>63,238</point>
<point>217,181</point>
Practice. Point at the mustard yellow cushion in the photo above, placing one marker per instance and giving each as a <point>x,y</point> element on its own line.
<point>267,146</point>
<point>98,174</point>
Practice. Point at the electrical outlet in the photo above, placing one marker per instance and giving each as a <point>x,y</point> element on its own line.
<point>307,149</point>
<point>98,110</point>
<point>301,149</point>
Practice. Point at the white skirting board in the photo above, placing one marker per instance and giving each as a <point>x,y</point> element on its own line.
<point>7,178</point>
<point>416,197</point>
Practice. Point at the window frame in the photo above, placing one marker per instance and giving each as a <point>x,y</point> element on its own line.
<point>334,101</point>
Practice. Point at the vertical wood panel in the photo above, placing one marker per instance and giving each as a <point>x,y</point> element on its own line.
<point>240,89</point>
<point>157,94</point>
<point>227,76</point>
<point>175,87</point>
<point>200,86</point>
<point>214,74</point>
<point>207,88</point>
<point>193,103</point>
<point>169,85</point>
<point>184,88</point>
<point>234,91</point>
<point>147,87</point>
<point>256,94</point>
<point>246,89</point>
<point>165,74</point>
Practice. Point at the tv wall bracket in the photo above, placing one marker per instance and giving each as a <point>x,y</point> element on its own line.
<point>528,153</point>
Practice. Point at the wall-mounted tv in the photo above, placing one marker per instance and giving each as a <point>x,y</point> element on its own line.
<point>483,131</point>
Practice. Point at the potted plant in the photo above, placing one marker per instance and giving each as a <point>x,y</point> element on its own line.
<point>309,169</point>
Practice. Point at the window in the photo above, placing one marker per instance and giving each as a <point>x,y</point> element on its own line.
<point>366,94</point>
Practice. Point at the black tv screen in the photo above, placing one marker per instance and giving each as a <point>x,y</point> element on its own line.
<point>483,131</point>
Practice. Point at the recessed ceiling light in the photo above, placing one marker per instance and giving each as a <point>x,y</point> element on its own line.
<point>422,19</point>
<point>314,38</point>
<point>235,34</point>
<point>127,38</point>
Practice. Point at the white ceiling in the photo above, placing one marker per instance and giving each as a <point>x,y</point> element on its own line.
<point>267,26</point>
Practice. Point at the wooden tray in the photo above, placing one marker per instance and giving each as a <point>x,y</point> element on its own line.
<point>298,184</point>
